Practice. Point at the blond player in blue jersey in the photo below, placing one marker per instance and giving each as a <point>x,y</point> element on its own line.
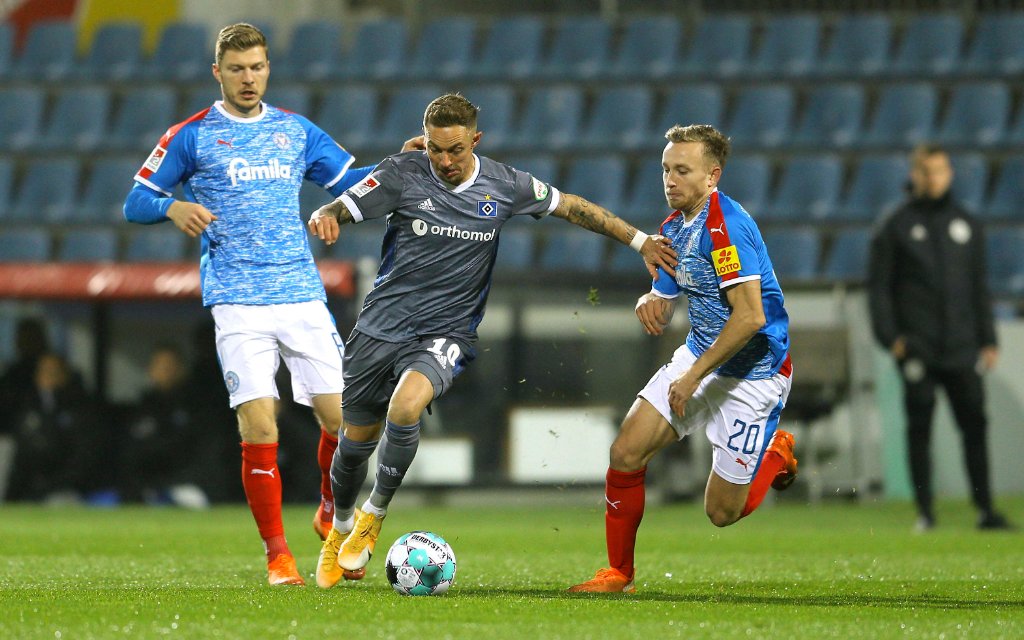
<point>241,162</point>
<point>732,376</point>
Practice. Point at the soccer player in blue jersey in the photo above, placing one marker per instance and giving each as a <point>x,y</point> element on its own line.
<point>732,376</point>
<point>415,333</point>
<point>242,162</point>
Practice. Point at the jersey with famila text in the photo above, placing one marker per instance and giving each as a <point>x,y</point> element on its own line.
<point>720,247</point>
<point>440,242</point>
<point>247,172</point>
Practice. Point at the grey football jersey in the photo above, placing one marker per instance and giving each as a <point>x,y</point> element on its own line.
<point>440,244</point>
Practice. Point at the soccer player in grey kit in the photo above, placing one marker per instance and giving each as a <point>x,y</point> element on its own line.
<point>416,330</point>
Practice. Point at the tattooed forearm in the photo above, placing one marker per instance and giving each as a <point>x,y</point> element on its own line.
<point>339,211</point>
<point>586,214</point>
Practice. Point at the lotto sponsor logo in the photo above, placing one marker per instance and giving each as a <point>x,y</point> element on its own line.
<point>239,169</point>
<point>726,260</point>
<point>421,228</point>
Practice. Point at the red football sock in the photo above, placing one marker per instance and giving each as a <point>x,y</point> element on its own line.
<point>771,464</point>
<point>624,509</point>
<point>262,482</point>
<point>324,455</point>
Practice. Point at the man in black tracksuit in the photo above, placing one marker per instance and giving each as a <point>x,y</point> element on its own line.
<point>930,307</point>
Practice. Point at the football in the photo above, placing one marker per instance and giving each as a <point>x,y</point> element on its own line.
<point>420,563</point>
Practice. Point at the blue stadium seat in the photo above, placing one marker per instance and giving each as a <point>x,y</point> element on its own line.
<point>198,98</point>
<point>878,183</point>
<point>24,245</point>
<point>541,166</point>
<point>1006,261</point>
<point>1007,199</point>
<point>156,243</point>
<point>572,249</point>
<point>625,261</point>
<point>762,117</point>
<point>620,119</point>
<point>970,179</point>
<point>6,186</point>
<point>601,180</point>
<point>510,50</point>
<point>997,48</point>
<point>48,191</point>
<point>290,96</point>
<point>976,115</point>
<point>746,179</point>
<point>6,50</point>
<point>832,117</point>
<point>931,45</point>
<point>848,259</point>
<point>693,104</point>
<point>720,47</point>
<point>21,117</point>
<point>579,50</point>
<point>649,49</point>
<point>1015,136</point>
<point>360,242</point>
<point>183,53</point>
<point>143,116</point>
<point>311,198</point>
<point>515,249</point>
<point>106,188</point>
<point>314,53</point>
<point>808,189</point>
<point>794,253</point>
<point>789,46</point>
<point>646,207</point>
<point>551,119</point>
<point>78,122</point>
<point>859,47</point>
<point>378,51</point>
<point>497,110</point>
<point>904,116</point>
<point>115,54</point>
<point>49,52</point>
<point>444,49</point>
<point>349,115</point>
<point>88,245</point>
<point>403,117</point>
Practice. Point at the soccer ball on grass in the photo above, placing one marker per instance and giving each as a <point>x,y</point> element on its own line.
<point>420,563</point>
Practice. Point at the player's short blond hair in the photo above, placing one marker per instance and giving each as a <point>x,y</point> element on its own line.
<point>451,110</point>
<point>716,145</point>
<point>239,37</point>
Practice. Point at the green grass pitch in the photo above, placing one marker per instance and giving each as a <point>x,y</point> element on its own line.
<point>789,571</point>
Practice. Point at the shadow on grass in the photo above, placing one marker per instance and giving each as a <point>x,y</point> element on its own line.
<point>838,600</point>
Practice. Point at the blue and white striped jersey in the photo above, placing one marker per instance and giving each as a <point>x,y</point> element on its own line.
<point>722,246</point>
<point>247,172</point>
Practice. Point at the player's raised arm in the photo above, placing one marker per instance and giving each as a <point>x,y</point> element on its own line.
<point>656,250</point>
<point>325,223</point>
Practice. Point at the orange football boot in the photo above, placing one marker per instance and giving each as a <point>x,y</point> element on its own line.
<point>321,526</point>
<point>606,581</point>
<point>782,444</point>
<point>282,570</point>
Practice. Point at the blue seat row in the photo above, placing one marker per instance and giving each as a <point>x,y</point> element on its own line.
<point>654,46</point>
<point>799,254</point>
<point>808,188</point>
<point>561,117</point>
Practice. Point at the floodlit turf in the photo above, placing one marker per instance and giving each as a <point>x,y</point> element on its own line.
<point>790,571</point>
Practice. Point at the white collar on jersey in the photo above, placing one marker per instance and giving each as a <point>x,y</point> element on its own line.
<point>219,105</point>
<point>465,185</point>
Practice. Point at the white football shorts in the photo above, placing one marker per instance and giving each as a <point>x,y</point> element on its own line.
<point>739,416</point>
<point>252,339</point>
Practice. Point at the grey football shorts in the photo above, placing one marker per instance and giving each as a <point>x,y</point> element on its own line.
<point>373,367</point>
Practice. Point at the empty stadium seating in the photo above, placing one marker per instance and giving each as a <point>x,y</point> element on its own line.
<point>789,46</point>
<point>24,245</point>
<point>115,54</point>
